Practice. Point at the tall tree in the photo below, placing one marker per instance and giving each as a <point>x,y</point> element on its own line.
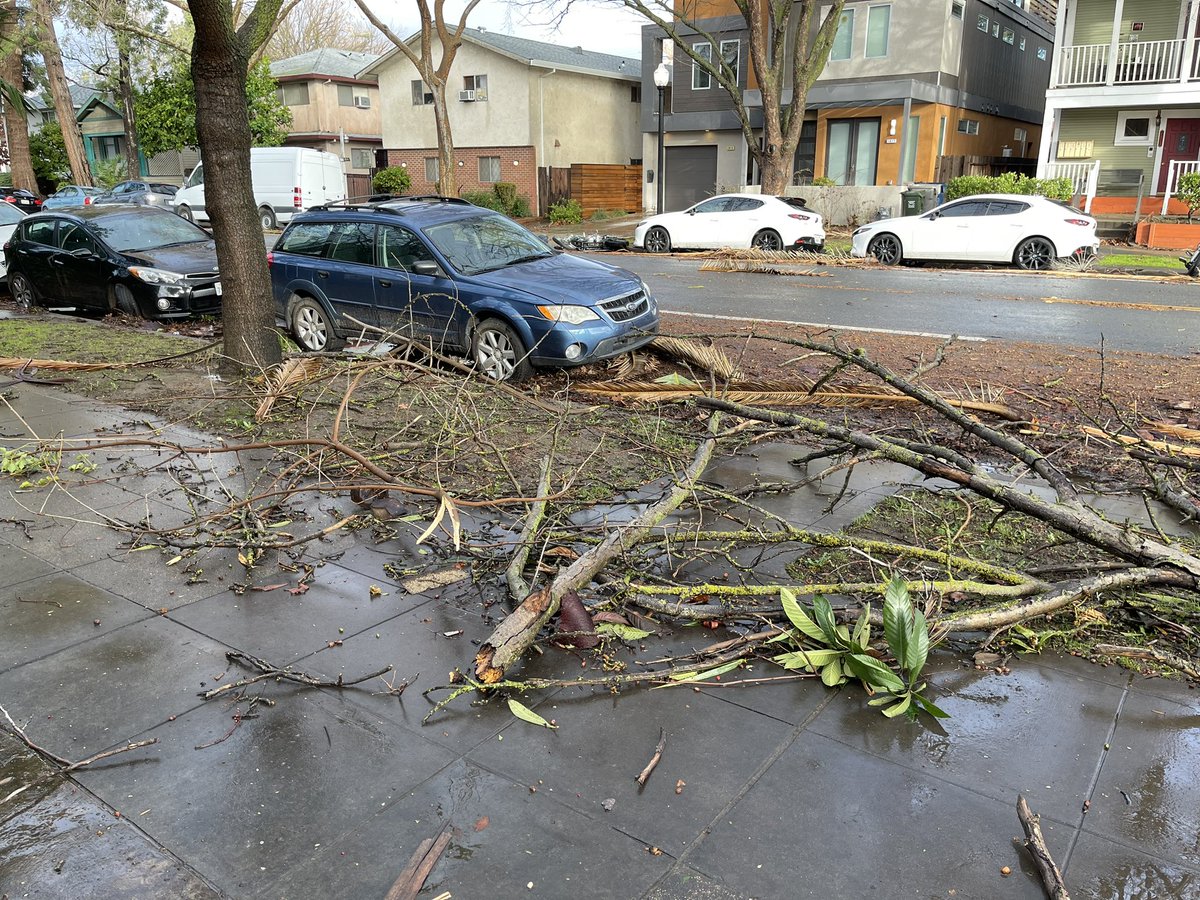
<point>313,24</point>
<point>12,73</point>
<point>434,73</point>
<point>788,52</point>
<point>44,12</point>
<point>221,55</point>
<point>133,165</point>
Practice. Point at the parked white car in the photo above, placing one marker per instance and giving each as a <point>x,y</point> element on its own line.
<point>735,220</point>
<point>1026,231</point>
<point>10,218</point>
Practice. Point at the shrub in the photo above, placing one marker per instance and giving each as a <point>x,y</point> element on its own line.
<point>521,208</point>
<point>109,172</point>
<point>506,191</point>
<point>392,180</point>
<point>1188,191</point>
<point>1010,183</point>
<point>823,181</point>
<point>502,198</point>
<point>566,212</point>
<point>600,215</point>
<point>486,199</point>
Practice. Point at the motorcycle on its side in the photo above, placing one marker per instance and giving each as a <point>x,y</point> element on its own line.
<point>1191,262</point>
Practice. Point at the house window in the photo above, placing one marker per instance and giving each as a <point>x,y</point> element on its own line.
<point>294,93</point>
<point>349,95</point>
<point>731,52</point>
<point>982,24</point>
<point>1009,36</point>
<point>476,83</point>
<point>361,158</point>
<point>852,151</point>
<point>956,10</point>
<point>1133,129</point>
<point>995,29</point>
<point>878,20</point>
<point>431,169</point>
<point>1042,53</point>
<point>1021,44</point>
<point>421,94</point>
<point>843,41</point>
<point>489,169</point>
<point>968,126</point>
<point>701,80</point>
<point>111,147</point>
<point>635,93</point>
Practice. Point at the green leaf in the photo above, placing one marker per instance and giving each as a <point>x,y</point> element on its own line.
<point>798,617</point>
<point>930,707</point>
<point>897,618</point>
<point>862,628</point>
<point>823,613</point>
<point>916,650</point>
<point>624,632</point>
<point>892,711</point>
<point>707,673</point>
<point>874,673</point>
<point>832,674</point>
<point>675,379</point>
<point>807,659</point>
<point>881,700</point>
<point>525,714</point>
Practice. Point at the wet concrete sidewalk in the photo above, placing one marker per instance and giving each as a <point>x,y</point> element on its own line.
<point>775,790</point>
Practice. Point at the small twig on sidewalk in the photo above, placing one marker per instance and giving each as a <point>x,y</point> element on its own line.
<point>1052,879</point>
<point>66,763</point>
<point>658,752</point>
<point>286,674</point>
<point>133,745</point>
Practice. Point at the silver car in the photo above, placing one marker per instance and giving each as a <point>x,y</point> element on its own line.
<point>140,193</point>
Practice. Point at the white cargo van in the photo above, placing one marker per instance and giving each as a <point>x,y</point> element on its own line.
<point>286,180</point>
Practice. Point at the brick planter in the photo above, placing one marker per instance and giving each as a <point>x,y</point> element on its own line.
<point>1168,235</point>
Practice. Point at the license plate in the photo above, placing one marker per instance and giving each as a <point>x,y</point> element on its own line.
<point>217,288</point>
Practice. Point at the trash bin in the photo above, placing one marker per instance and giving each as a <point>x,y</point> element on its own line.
<point>912,202</point>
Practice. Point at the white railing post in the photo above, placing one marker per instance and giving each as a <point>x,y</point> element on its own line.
<point>1169,185</point>
<point>1093,178</point>
<point>1189,44</point>
<point>1115,43</point>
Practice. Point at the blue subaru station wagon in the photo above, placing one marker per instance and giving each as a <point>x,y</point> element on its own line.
<point>444,272</point>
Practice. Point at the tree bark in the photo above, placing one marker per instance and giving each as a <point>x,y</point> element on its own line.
<point>16,126</point>
<point>220,58</point>
<point>133,163</point>
<point>81,172</point>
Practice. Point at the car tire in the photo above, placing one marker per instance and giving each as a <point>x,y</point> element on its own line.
<point>266,218</point>
<point>657,240</point>
<point>767,240</point>
<point>498,352</point>
<point>1034,254</point>
<point>886,248</point>
<point>23,292</point>
<point>311,327</point>
<point>124,302</point>
<point>186,213</point>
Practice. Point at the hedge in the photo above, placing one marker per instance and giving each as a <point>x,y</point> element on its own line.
<point>1010,183</point>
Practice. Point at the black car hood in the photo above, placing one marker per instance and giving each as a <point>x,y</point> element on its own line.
<point>194,258</point>
<point>563,278</point>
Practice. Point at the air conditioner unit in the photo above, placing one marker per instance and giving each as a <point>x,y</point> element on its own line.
<point>362,102</point>
<point>466,96</point>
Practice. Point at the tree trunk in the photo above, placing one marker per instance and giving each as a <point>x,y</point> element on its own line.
<point>133,163</point>
<point>81,172</point>
<point>16,126</point>
<point>447,171</point>
<point>219,64</point>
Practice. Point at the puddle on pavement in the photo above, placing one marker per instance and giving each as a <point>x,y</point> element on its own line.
<point>1145,880</point>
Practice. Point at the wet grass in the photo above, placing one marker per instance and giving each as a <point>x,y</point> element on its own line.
<point>55,337</point>
<point>1138,261</point>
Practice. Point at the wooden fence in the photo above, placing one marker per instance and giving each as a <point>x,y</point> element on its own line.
<point>950,167</point>
<point>358,185</point>
<point>595,186</point>
<point>553,185</point>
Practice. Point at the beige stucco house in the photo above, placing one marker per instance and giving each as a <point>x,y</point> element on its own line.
<point>333,108</point>
<point>515,104</point>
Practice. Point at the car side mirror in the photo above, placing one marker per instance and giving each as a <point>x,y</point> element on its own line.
<point>691,212</point>
<point>425,267</point>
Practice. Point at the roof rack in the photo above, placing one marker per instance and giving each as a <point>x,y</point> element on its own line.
<point>375,201</point>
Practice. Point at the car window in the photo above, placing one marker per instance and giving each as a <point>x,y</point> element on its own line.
<point>715,205</point>
<point>9,214</point>
<point>483,243</point>
<point>966,208</point>
<point>74,237</point>
<point>743,204</point>
<point>353,242</point>
<point>197,176</point>
<point>41,232</point>
<point>399,248</point>
<point>1006,207</point>
<point>306,239</point>
<point>139,229</point>
<point>163,188</point>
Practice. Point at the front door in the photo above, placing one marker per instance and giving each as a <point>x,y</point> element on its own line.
<point>1182,142</point>
<point>852,151</point>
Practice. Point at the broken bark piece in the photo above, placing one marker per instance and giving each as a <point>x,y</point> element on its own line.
<point>575,628</point>
<point>1052,879</point>
<point>658,752</point>
<point>412,879</point>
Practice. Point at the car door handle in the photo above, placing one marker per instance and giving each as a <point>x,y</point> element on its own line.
<point>322,273</point>
<point>385,284</point>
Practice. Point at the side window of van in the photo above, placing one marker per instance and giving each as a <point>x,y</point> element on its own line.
<point>197,176</point>
<point>308,239</point>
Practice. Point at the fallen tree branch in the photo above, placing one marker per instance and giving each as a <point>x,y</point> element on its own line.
<point>518,587</point>
<point>642,778</point>
<point>1187,667</point>
<point>267,670</point>
<point>1035,843</point>
<point>67,765</point>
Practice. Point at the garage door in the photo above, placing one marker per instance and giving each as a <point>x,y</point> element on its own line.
<point>691,176</point>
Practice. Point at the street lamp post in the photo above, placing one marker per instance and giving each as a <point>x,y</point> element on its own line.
<point>662,77</point>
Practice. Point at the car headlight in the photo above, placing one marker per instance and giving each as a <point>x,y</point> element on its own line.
<point>574,315</point>
<point>156,276</point>
<point>862,230</point>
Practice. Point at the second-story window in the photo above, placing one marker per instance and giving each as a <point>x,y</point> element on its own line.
<point>294,93</point>
<point>350,95</point>
<point>731,54</point>
<point>701,80</point>
<point>477,84</point>
<point>635,93</point>
<point>361,158</point>
<point>421,94</point>
<point>879,20</point>
<point>843,41</point>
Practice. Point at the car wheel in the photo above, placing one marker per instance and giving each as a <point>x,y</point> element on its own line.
<point>22,291</point>
<point>124,302</point>
<point>767,240</point>
<point>657,240</point>
<point>266,218</point>
<point>1034,253</point>
<point>886,248</point>
<point>498,353</point>
<point>311,326</point>
<point>186,212</point>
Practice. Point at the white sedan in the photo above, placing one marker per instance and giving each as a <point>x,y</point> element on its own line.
<point>1029,232</point>
<point>734,220</point>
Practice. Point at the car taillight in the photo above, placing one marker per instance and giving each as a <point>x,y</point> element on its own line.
<point>87,201</point>
<point>10,199</point>
<point>1083,223</point>
<point>297,198</point>
<point>798,216</point>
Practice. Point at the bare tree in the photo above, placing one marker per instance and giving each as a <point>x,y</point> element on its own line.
<point>12,72</point>
<point>313,24</point>
<point>221,56</point>
<point>434,74</point>
<point>44,12</point>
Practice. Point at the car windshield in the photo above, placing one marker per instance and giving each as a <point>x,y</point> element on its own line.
<point>9,214</point>
<point>484,243</point>
<point>142,229</point>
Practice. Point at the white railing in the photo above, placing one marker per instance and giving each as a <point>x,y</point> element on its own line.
<point>1083,64</point>
<point>1176,170</point>
<point>1083,175</point>
<point>1147,62</point>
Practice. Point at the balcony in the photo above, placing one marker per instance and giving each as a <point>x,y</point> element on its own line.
<point>1136,62</point>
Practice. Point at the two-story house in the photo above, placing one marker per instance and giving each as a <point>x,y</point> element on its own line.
<point>333,108</point>
<point>515,104</point>
<point>1123,108</point>
<point>907,82</point>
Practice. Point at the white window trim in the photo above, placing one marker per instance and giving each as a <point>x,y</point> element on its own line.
<point>1120,140</point>
<point>887,35</point>
<point>850,24</point>
<point>737,59</point>
<point>697,71</point>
